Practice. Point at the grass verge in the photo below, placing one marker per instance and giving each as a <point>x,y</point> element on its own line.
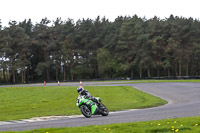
<point>27,102</point>
<point>182,125</point>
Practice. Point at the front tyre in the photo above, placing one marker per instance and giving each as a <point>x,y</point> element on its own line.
<point>104,110</point>
<point>85,111</point>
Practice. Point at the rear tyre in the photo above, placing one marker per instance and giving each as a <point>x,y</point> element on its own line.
<point>85,111</point>
<point>104,110</point>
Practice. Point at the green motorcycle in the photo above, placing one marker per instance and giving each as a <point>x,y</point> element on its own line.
<point>89,107</point>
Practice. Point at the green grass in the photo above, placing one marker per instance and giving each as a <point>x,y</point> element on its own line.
<point>182,125</point>
<point>27,102</point>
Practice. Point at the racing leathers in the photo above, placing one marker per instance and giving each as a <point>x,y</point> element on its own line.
<point>88,95</point>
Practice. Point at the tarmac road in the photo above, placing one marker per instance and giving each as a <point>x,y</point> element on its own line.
<point>183,98</point>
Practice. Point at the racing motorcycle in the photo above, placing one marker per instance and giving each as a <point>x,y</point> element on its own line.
<point>89,107</point>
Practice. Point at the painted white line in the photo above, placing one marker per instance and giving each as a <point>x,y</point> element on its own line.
<point>35,119</point>
<point>4,123</point>
<point>48,118</point>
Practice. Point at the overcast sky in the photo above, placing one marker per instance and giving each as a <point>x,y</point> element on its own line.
<point>77,9</point>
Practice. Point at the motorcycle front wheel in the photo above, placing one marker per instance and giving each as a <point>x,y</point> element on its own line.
<point>105,110</point>
<point>85,111</point>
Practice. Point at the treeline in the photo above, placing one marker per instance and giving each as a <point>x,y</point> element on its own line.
<point>127,47</point>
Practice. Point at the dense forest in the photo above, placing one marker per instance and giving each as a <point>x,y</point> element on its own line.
<point>131,47</point>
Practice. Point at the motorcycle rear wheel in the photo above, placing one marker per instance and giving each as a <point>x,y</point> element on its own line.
<point>85,111</point>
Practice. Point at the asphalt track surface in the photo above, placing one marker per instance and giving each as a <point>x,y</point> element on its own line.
<point>183,101</point>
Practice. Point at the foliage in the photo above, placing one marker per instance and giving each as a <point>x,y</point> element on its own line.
<point>87,49</point>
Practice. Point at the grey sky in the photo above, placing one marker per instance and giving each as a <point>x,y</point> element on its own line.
<point>77,9</point>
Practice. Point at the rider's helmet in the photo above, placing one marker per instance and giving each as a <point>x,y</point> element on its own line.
<point>80,89</point>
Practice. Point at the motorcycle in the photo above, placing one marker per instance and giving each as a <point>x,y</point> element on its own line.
<point>89,107</point>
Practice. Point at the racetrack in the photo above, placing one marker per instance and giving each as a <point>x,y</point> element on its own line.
<point>183,98</point>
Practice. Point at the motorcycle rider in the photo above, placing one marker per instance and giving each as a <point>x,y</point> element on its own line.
<point>83,92</point>
<point>87,95</point>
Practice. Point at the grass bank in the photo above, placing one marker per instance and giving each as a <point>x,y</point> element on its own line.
<point>27,102</point>
<point>182,125</point>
